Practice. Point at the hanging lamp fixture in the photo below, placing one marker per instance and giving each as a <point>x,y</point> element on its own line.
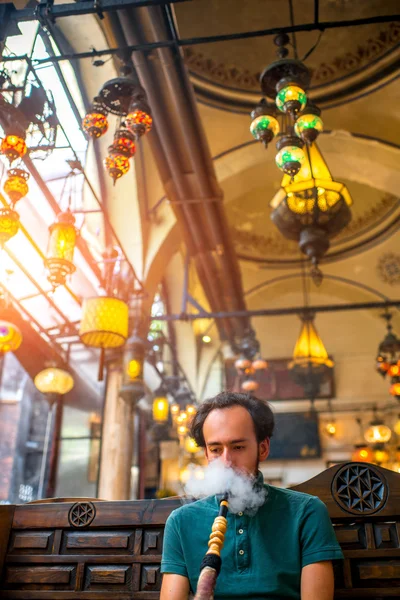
<point>54,380</point>
<point>310,207</point>
<point>61,247</point>
<point>362,452</point>
<point>388,357</point>
<point>377,432</point>
<point>123,97</point>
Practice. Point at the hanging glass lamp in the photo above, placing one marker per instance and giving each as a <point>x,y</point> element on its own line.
<point>60,253</point>
<point>290,155</point>
<point>264,126</point>
<point>95,123</point>
<point>309,123</point>
<point>54,380</point>
<point>13,147</point>
<point>9,224</point>
<point>290,98</point>
<point>10,337</point>
<point>16,186</point>
<point>139,119</point>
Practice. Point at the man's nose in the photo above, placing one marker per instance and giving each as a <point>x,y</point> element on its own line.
<point>226,457</point>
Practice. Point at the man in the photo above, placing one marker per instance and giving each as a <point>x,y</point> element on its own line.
<point>283,552</point>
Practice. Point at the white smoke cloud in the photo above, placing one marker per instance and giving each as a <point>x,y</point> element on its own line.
<point>218,479</point>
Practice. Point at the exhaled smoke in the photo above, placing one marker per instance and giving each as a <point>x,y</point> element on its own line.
<point>218,479</point>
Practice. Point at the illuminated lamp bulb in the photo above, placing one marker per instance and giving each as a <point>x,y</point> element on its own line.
<point>182,431</point>
<point>290,155</point>
<point>259,364</point>
<point>206,339</point>
<point>377,433</point>
<point>191,446</point>
<point>190,411</point>
<point>160,409</point>
<point>394,370</point>
<point>309,124</point>
<point>95,123</point>
<point>395,389</point>
<point>15,186</point>
<point>116,164</point>
<point>381,456</point>
<point>10,337</point>
<point>362,453</point>
<point>264,126</point>
<point>175,409</point>
<point>124,142</point>
<point>182,417</point>
<point>9,224</point>
<point>139,119</point>
<point>242,363</point>
<point>250,385</point>
<point>13,147</point>
<point>331,429</point>
<point>290,98</point>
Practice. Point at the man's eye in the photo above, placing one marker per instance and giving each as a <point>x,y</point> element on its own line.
<point>214,450</point>
<point>238,447</point>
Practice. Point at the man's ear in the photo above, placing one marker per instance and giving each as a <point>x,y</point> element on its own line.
<point>263,449</point>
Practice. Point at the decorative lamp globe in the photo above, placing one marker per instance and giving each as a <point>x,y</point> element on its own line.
<point>331,429</point>
<point>95,123</point>
<point>54,380</point>
<point>382,365</point>
<point>362,453</point>
<point>160,408</point>
<point>116,164</point>
<point>264,126</point>
<point>15,186</point>
<point>133,360</point>
<point>395,388</point>
<point>10,337</point>
<point>139,119</point>
<point>290,155</point>
<point>242,363</point>
<point>124,142</point>
<point>377,433</point>
<point>250,385</point>
<point>13,147</point>
<point>394,370</point>
<point>309,124</point>
<point>60,253</point>
<point>259,364</point>
<point>381,456</point>
<point>191,446</point>
<point>290,98</point>
<point>9,224</point>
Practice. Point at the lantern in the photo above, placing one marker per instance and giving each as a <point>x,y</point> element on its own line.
<point>10,337</point>
<point>9,224</point>
<point>104,324</point>
<point>139,119</point>
<point>330,429</point>
<point>394,370</point>
<point>61,248</point>
<point>116,164</point>
<point>377,433</point>
<point>190,411</point>
<point>309,124</point>
<point>290,155</point>
<point>264,126</point>
<point>182,431</point>
<point>160,408</point>
<point>362,453</point>
<point>259,364</point>
<point>290,98</point>
<point>381,456</point>
<point>13,147</point>
<point>15,186</point>
<point>95,123</point>
<point>124,143</point>
<point>242,363</point>
<point>175,410</point>
<point>54,380</point>
<point>134,352</point>
<point>395,388</point>
<point>191,446</point>
<point>250,385</point>
<point>309,351</point>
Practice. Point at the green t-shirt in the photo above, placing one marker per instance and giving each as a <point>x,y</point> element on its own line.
<point>262,555</point>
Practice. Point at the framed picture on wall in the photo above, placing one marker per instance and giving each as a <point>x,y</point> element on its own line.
<point>296,436</point>
<point>276,382</point>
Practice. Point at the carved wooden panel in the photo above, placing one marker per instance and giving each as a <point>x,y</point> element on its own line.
<point>360,489</point>
<point>40,577</point>
<point>31,542</point>
<point>112,577</point>
<point>150,579</point>
<point>152,542</point>
<point>97,542</point>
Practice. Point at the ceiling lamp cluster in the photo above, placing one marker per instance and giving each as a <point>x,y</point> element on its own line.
<point>310,206</point>
<point>388,358</point>
<point>16,187</point>
<point>249,361</point>
<point>125,98</point>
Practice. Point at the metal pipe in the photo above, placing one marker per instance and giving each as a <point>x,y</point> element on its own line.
<point>278,312</point>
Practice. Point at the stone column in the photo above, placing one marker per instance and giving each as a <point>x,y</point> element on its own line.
<point>117,440</point>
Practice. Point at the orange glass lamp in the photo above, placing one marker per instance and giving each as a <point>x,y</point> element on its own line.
<point>13,147</point>
<point>9,224</point>
<point>10,337</point>
<point>104,324</point>
<point>116,164</point>
<point>16,186</point>
<point>259,364</point>
<point>250,385</point>
<point>54,380</point>
<point>95,123</point>
<point>377,432</point>
<point>139,119</point>
<point>331,429</point>
<point>362,453</point>
<point>160,407</point>
<point>61,248</point>
<point>395,387</point>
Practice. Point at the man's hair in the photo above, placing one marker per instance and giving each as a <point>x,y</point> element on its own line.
<point>260,412</point>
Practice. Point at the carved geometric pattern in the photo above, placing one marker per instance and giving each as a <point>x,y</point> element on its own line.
<point>388,268</point>
<point>81,514</point>
<point>359,489</point>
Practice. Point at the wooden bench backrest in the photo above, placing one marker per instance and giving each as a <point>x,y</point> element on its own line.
<point>76,549</point>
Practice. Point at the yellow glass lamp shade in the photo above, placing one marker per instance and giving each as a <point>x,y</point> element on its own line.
<point>264,127</point>
<point>54,381</point>
<point>116,165</point>
<point>15,186</point>
<point>289,159</point>
<point>60,252</point>
<point>160,409</point>
<point>9,224</point>
<point>331,429</point>
<point>298,191</point>
<point>307,122</point>
<point>13,147</point>
<point>381,456</point>
<point>182,417</point>
<point>309,349</point>
<point>377,433</point>
<point>395,389</point>
<point>134,369</point>
<point>104,322</point>
<point>10,337</point>
<point>291,99</point>
<point>362,453</point>
<point>191,446</point>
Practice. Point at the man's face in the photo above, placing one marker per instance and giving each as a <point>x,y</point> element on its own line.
<point>229,435</point>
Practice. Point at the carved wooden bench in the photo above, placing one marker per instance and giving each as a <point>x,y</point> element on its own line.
<point>77,549</point>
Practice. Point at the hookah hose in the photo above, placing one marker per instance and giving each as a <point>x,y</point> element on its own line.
<point>211,563</point>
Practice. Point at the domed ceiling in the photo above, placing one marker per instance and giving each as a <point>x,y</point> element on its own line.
<point>345,60</point>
